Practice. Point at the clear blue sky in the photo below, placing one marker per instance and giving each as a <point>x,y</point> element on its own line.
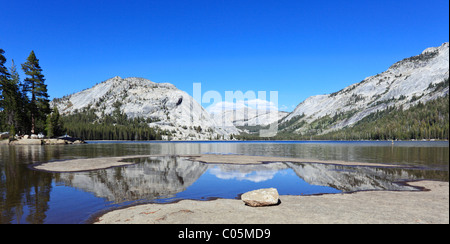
<point>298,48</point>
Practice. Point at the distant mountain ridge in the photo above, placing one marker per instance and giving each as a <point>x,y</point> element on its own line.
<point>405,83</point>
<point>248,117</point>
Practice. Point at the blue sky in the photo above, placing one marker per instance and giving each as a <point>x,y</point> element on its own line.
<point>298,48</point>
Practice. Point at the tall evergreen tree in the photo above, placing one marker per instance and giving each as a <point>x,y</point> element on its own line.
<point>54,126</point>
<point>4,78</point>
<point>20,101</point>
<point>39,105</point>
<point>10,97</point>
<point>3,71</point>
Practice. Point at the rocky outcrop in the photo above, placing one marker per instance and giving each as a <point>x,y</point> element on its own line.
<point>261,197</point>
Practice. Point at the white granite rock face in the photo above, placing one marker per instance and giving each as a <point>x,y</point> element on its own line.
<point>405,83</point>
<point>168,107</point>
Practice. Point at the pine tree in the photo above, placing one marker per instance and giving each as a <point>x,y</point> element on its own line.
<point>10,97</point>
<point>21,101</point>
<point>39,104</point>
<point>3,71</point>
<point>4,81</point>
<point>54,125</point>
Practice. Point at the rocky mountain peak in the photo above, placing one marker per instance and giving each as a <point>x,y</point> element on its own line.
<point>405,83</point>
<point>165,106</point>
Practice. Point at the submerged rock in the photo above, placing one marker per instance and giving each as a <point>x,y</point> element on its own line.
<point>261,197</point>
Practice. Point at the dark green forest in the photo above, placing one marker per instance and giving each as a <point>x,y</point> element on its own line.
<point>423,121</point>
<point>117,126</point>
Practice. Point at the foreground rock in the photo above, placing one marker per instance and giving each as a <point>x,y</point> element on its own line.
<point>261,197</point>
<point>369,207</point>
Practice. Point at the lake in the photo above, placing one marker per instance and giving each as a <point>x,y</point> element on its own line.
<point>31,196</point>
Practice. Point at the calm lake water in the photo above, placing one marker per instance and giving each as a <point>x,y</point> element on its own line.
<point>30,196</point>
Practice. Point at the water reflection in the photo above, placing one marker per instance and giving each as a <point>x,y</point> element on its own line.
<point>356,178</point>
<point>253,173</point>
<point>149,179</point>
<point>166,177</point>
<point>29,196</point>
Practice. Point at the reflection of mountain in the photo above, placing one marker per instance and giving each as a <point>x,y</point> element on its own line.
<point>349,179</point>
<point>344,178</point>
<point>164,177</point>
<point>150,178</point>
<point>254,173</point>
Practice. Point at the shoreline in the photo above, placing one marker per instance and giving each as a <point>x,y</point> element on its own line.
<point>54,141</point>
<point>266,141</point>
<point>43,141</point>
<point>365,207</point>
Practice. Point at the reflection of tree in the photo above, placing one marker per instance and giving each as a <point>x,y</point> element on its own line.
<point>38,198</point>
<point>23,191</point>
